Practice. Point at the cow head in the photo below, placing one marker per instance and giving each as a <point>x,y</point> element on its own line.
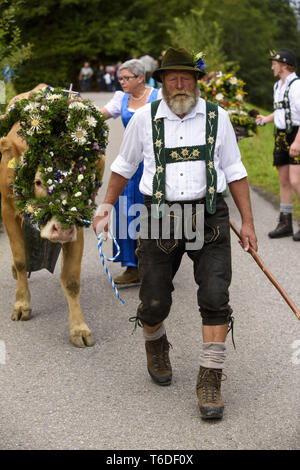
<point>57,176</point>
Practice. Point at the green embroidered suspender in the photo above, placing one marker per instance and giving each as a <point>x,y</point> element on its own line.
<point>165,156</point>
<point>285,104</point>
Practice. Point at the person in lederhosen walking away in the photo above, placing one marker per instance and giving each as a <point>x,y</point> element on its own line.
<point>286,155</point>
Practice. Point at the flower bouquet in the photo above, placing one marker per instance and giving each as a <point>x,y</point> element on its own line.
<point>227,91</point>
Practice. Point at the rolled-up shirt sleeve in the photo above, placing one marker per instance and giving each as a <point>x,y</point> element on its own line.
<point>131,150</point>
<point>115,104</point>
<point>230,160</point>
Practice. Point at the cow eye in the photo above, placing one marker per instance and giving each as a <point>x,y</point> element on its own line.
<point>38,182</point>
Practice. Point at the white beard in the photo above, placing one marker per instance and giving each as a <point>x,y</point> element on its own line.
<point>182,104</point>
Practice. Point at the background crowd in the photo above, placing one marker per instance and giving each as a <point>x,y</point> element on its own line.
<point>106,77</point>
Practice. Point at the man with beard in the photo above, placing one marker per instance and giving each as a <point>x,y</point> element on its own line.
<point>190,152</point>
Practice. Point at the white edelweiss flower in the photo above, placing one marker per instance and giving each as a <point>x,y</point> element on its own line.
<point>211,140</point>
<point>233,80</point>
<point>29,209</point>
<point>35,123</point>
<point>49,169</point>
<point>64,202</point>
<point>73,209</point>
<point>212,114</point>
<point>79,136</point>
<point>239,97</point>
<point>80,178</point>
<point>44,108</point>
<point>49,181</point>
<point>77,105</point>
<point>219,96</point>
<point>78,194</point>
<point>53,97</point>
<point>91,121</point>
<point>30,107</point>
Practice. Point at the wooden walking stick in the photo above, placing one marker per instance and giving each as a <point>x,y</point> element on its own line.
<point>268,274</point>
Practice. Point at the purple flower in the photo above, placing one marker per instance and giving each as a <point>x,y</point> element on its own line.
<point>201,65</point>
<point>96,146</point>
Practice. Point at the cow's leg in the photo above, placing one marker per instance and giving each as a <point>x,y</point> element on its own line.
<point>70,280</point>
<point>13,227</point>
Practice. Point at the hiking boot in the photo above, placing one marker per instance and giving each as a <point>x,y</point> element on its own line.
<point>296,237</point>
<point>158,361</point>
<point>284,227</point>
<point>130,277</point>
<point>209,393</point>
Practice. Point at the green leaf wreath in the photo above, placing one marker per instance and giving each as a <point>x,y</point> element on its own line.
<point>228,92</point>
<point>66,137</point>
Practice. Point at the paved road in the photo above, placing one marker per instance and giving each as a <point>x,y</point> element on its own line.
<point>54,396</point>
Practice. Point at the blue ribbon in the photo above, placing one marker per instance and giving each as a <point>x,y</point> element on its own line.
<point>105,258</point>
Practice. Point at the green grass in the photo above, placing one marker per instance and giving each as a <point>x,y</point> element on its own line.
<point>257,156</point>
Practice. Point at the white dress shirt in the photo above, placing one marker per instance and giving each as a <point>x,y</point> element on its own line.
<point>294,97</point>
<point>185,181</point>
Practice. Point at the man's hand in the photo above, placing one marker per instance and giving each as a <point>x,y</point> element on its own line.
<point>101,220</point>
<point>295,149</point>
<point>100,225</point>
<point>248,237</point>
<point>260,119</point>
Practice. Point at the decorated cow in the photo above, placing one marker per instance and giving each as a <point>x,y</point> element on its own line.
<point>52,147</point>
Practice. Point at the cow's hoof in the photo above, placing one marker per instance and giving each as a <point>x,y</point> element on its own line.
<point>81,337</point>
<point>21,314</point>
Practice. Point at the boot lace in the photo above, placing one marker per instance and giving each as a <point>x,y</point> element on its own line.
<point>160,354</point>
<point>209,383</point>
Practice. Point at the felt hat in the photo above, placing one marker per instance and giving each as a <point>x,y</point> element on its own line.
<point>179,59</point>
<point>285,56</point>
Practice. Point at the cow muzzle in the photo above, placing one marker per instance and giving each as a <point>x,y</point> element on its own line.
<point>54,232</point>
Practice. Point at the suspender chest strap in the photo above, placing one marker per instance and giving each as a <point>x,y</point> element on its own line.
<point>164,156</point>
<point>285,104</point>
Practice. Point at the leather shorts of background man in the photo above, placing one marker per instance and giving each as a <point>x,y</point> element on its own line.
<point>159,260</point>
<point>283,141</point>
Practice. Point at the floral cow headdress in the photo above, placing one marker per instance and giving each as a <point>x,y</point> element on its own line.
<point>66,136</point>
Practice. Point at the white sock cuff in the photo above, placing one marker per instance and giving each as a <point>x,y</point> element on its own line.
<point>213,355</point>
<point>156,335</point>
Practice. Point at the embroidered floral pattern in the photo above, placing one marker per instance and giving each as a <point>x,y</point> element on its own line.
<point>182,154</point>
<point>159,177</point>
<point>165,156</point>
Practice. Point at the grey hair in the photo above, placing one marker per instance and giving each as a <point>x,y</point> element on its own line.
<point>135,66</point>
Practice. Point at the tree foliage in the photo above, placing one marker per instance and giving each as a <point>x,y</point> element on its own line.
<point>194,33</point>
<point>64,33</point>
<point>12,51</point>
